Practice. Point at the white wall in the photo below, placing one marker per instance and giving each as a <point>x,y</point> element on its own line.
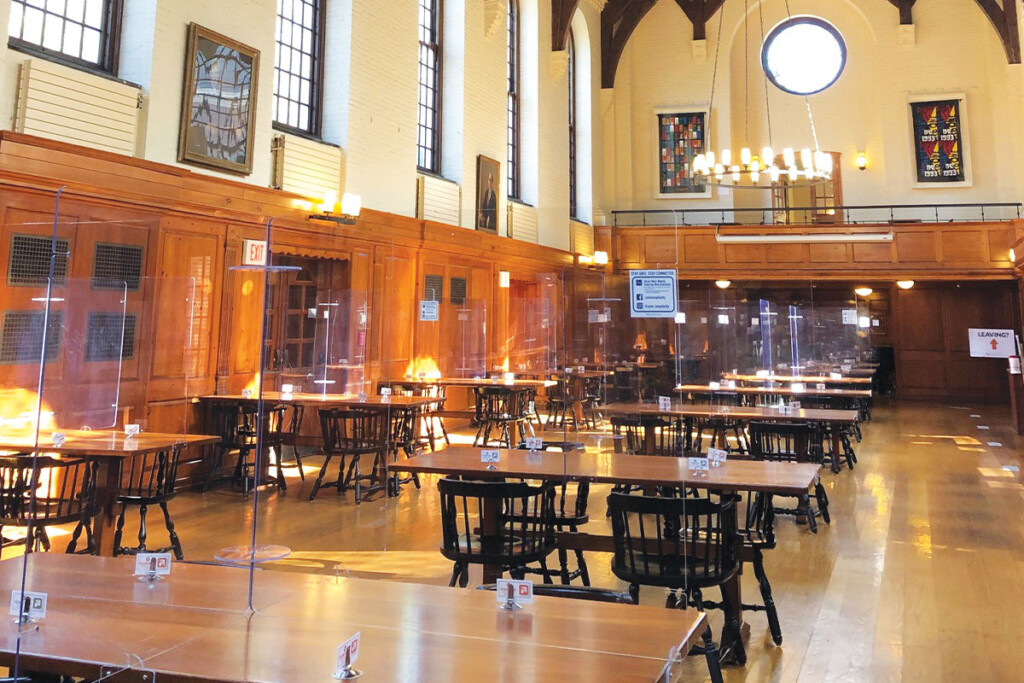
<point>370,93</point>
<point>956,50</point>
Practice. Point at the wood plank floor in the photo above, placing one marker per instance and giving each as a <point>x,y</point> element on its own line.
<point>919,577</point>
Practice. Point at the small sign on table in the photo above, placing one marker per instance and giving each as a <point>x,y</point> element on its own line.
<point>698,464</point>
<point>717,456</point>
<point>348,653</point>
<point>534,443</point>
<point>512,594</point>
<point>152,566</point>
<point>27,606</point>
<point>490,456</point>
<point>664,403</point>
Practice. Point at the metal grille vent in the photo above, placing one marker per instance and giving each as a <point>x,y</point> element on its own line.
<point>115,265</point>
<point>103,337</point>
<point>458,291</point>
<point>30,261</point>
<point>433,288</point>
<point>22,333</point>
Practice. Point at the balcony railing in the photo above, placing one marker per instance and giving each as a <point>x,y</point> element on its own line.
<point>810,215</point>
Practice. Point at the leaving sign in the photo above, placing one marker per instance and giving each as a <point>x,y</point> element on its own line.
<point>990,343</point>
<point>652,293</point>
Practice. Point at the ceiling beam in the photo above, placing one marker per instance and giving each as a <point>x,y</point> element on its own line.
<point>905,7</point>
<point>561,18</point>
<point>618,19</point>
<point>1004,20</point>
<point>698,12</point>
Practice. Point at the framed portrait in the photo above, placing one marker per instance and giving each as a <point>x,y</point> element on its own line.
<point>218,108</point>
<point>679,135</point>
<point>488,182</point>
<point>938,125</point>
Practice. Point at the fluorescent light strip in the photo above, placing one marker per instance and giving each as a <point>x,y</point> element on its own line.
<point>826,237</point>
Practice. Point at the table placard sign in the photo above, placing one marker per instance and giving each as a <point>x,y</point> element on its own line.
<point>153,566</point>
<point>664,403</point>
<point>512,595</point>
<point>58,439</point>
<point>835,375</point>
<point>794,406</point>
<point>717,456</point>
<point>820,386</point>
<point>568,370</point>
<point>490,456</point>
<point>581,369</point>
<point>698,464</point>
<point>846,368</point>
<point>534,443</point>
<point>730,384</point>
<point>763,374</point>
<point>287,391</point>
<point>131,430</point>
<point>348,653</point>
<point>430,311</point>
<point>510,378</point>
<point>714,386</point>
<point>362,397</point>
<point>27,606</point>
<point>798,387</point>
<point>246,393</point>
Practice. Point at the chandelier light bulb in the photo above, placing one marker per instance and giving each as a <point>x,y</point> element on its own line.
<point>735,173</point>
<point>755,177</point>
<point>773,173</point>
<point>726,157</point>
<point>806,160</point>
<point>745,156</point>
<point>711,159</point>
<point>788,157</point>
<point>768,156</point>
<point>755,165</point>
<point>719,170</point>
<point>699,163</point>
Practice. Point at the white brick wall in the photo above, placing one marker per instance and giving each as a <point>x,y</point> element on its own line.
<point>370,94</point>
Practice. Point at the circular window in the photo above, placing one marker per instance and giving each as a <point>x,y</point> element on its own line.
<point>803,55</point>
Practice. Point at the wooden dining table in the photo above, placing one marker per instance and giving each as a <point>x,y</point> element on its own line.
<point>469,382</point>
<point>771,478</point>
<point>110,448</point>
<point>195,625</point>
<point>845,380</point>
<point>786,392</point>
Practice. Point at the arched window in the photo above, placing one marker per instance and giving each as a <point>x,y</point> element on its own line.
<point>572,124</point>
<point>513,99</point>
<point>298,72</point>
<point>83,32</point>
<point>428,142</point>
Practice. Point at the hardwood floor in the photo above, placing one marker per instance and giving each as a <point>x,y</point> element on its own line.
<point>919,576</point>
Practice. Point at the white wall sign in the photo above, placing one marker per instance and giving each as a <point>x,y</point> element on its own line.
<point>849,316</point>
<point>990,343</point>
<point>652,293</point>
<point>429,311</point>
<point>254,253</point>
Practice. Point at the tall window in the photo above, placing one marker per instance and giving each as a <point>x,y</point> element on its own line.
<point>572,124</point>
<point>513,99</point>
<point>298,68</point>
<point>428,142</point>
<point>80,31</point>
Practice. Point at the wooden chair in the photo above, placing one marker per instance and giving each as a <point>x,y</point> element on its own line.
<point>351,433</point>
<point>224,420</point>
<point>271,423</point>
<point>790,443</point>
<point>503,409</point>
<point>510,525</point>
<point>556,405</point>
<point>757,529</point>
<point>36,493</point>
<point>576,495</point>
<point>683,544</point>
<point>147,480</point>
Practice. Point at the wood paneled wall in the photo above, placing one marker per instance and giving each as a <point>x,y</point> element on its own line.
<point>202,321</point>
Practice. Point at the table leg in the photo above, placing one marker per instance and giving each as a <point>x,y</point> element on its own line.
<point>836,448</point>
<point>108,481</point>
<point>490,514</point>
<point>735,629</point>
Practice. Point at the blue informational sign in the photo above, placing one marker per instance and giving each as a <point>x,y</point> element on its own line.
<point>652,293</point>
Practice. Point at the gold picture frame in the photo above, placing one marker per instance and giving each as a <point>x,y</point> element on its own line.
<point>218,106</point>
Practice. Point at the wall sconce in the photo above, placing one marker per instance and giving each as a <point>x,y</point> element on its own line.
<point>600,258</point>
<point>904,284</point>
<point>504,279</point>
<point>723,284</point>
<point>1013,255</point>
<point>861,160</point>
<point>863,291</point>
<point>351,207</point>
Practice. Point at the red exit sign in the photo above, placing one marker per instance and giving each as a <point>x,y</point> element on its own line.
<point>254,253</point>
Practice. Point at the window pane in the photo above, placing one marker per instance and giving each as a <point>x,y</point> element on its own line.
<point>297,55</point>
<point>14,23</point>
<point>75,28</point>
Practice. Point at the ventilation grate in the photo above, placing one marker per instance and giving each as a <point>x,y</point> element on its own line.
<point>30,261</point>
<point>115,265</point>
<point>458,291</point>
<point>22,333</point>
<point>433,288</point>
<point>103,337</point>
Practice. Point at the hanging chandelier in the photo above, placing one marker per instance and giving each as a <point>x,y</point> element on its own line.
<point>808,166</point>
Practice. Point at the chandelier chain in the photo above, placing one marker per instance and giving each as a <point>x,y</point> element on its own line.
<point>767,104</point>
<point>807,100</point>
<point>746,75</point>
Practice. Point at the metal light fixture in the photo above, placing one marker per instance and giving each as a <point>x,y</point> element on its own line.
<point>904,284</point>
<point>863,291</point>
<point>600,258</point>
<point>351,207</point>
<point>723,284</point>
<point>861,160</point>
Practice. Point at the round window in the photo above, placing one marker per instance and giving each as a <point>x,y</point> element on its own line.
<point>803,55</point>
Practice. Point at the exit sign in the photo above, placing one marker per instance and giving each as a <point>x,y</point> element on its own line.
<point>254,253</point>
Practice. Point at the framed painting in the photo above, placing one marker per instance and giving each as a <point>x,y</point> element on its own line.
<point>488,178</point>
<point>218,109</point>
<point>679,137</point>
<point>938,125</point>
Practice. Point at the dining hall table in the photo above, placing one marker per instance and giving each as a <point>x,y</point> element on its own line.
<point>735,476</point>
<point>843,380</point>
<point>110,449</point>
<point>830,420</point>
<point>195,625</point>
